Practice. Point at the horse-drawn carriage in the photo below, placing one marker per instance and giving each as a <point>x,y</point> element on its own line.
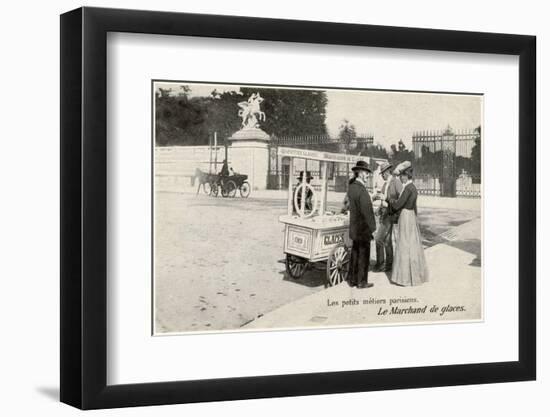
<point>226,185</point>
<point>312,233</point>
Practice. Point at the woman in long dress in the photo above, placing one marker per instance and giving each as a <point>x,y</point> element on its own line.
<point>409,266</point>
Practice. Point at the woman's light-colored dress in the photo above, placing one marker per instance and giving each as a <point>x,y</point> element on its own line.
<point>409,265</point>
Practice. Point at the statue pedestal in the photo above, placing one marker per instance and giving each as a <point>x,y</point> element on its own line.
<point>249,154</point>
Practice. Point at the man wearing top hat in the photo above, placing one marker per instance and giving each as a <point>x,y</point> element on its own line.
<point>361,226</point>
<point>225,169</point>
<point>309,177</point>
<point>383,237</point>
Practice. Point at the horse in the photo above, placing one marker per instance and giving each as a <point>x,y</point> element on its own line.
<point>202,178</point>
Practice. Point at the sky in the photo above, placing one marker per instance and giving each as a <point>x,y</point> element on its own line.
<point>389,116</point>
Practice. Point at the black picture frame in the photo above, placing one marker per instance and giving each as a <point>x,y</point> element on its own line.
<point>84,207</point>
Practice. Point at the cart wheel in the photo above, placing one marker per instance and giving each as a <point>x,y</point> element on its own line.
<point>338,265</point>
<point>207,188</point>
<point>295,266</point>
<point>245,189</point>
<point>214,189</point>
<point>229,189</point>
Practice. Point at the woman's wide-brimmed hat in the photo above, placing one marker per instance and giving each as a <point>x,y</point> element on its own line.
<point>361,165</point>
<point>384,166</point>
<point>308,175</point>
<point>404,167</point>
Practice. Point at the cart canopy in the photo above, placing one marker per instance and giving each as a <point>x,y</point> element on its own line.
<point>321,156</point>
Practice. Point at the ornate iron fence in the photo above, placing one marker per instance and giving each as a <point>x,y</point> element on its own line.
<point>448,163</point>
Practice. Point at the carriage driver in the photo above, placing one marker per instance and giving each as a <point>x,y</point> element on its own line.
<point>225,169</point>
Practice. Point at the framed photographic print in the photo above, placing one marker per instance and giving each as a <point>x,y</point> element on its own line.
<point>258,208</point>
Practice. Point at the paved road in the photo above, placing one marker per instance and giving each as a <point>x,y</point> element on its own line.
<point>219,262</point>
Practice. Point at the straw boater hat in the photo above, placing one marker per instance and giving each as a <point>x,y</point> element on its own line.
<point>384,166</point>
<point>404,167</point>
<point>308,175</point>
<point>361,165</point>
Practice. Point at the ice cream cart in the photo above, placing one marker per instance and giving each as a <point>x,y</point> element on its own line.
<point>312,233</point>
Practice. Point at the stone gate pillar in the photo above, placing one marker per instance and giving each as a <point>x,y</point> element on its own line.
<point>249,154</point>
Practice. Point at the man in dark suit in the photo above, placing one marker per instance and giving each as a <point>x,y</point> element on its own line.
<point>361,227</point>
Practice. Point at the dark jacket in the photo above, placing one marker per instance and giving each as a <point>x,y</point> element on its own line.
<point>407,199</point>
<point>225,170</point>
<point>361,223</point>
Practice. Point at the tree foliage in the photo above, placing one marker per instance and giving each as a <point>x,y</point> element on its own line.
<point>476,152</point>
<point>184,120</point>
<point>357,145</point>
<point>347,134</point>
<point>400,153</point>
<point>292,112</point>
<point>377,151</point>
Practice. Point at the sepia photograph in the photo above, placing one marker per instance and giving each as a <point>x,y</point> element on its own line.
<point>301,207</point>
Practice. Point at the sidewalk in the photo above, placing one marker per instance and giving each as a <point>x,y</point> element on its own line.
<point>453,283</point>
